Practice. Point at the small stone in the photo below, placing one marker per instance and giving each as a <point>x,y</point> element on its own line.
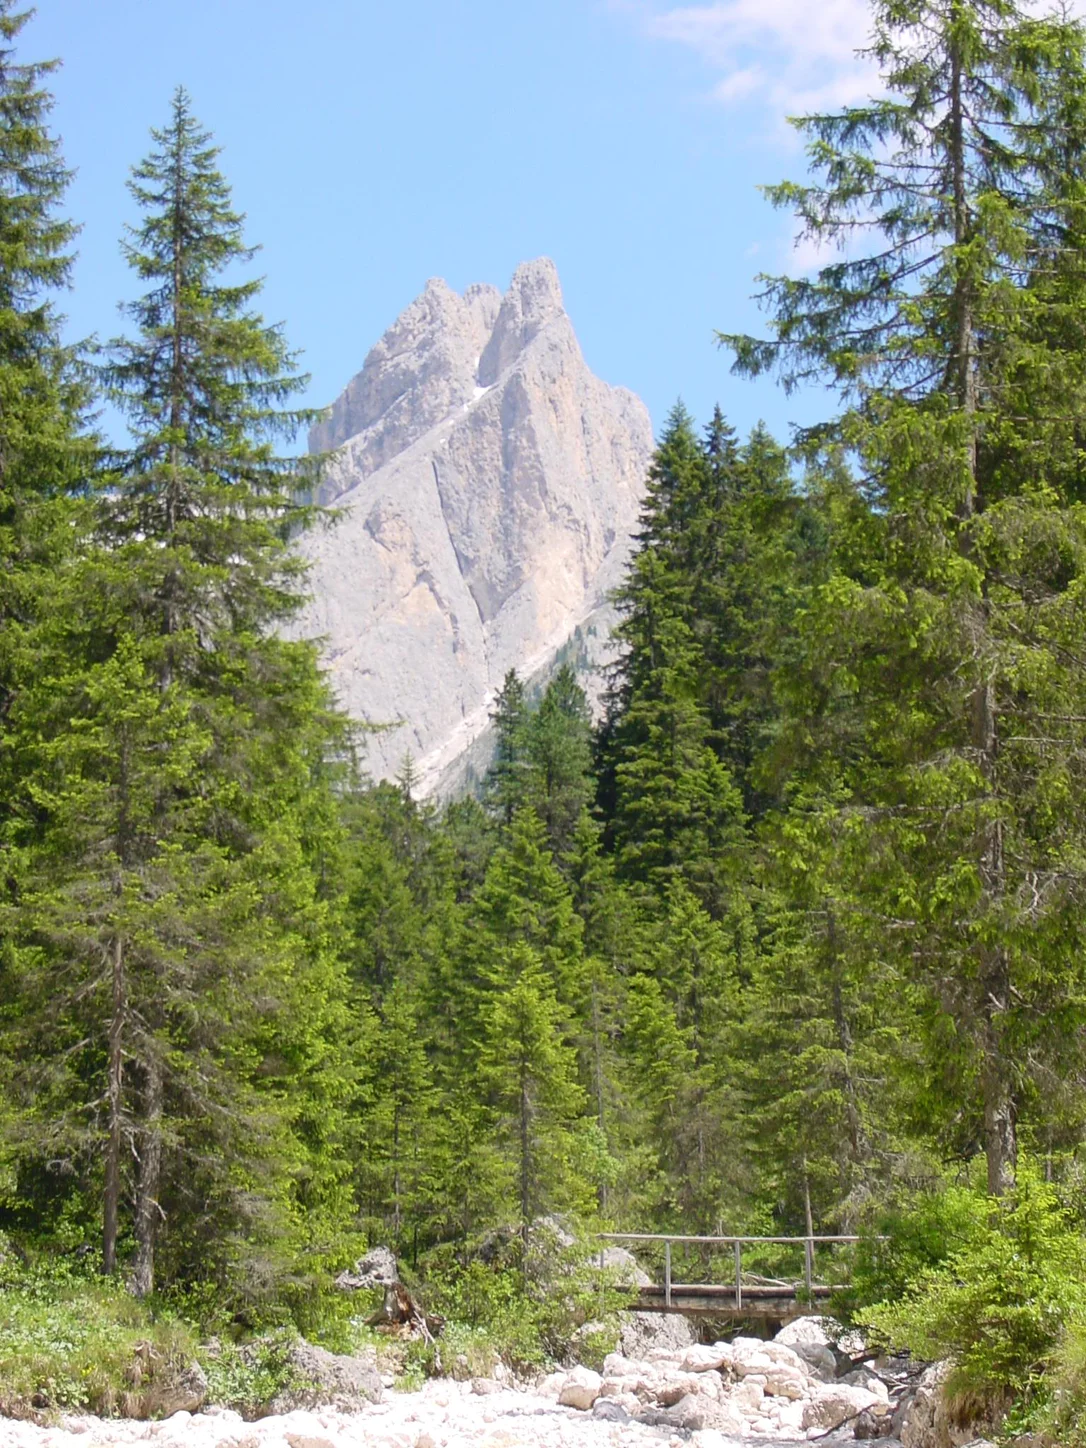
<point>869,1425</point>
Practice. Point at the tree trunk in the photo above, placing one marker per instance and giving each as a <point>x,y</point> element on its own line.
<point>857,1149</point>
<point>597,1072</point>
<point>1000,1129</point>
<point>1000,1143</point>
<point>396,1173</point>
<point>111,1203</point>
<point>525,1149</point>
<point>148,1211</point>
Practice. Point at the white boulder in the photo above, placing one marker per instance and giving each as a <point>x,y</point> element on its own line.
<point>835,1403</point>
<point>822,1330</point>
<point>580,1389</point>
<point>703,1359</point>
<point>782,1381</point>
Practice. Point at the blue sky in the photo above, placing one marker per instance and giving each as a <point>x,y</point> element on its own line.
<point>376,144</point>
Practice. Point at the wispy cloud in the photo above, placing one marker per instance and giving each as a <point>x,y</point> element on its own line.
<point>795,55</point>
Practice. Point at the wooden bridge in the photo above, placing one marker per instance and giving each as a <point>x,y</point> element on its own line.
<point>740,1297</point>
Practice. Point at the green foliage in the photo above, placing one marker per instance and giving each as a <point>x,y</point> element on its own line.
<point>247,1376</point>
<point>999,1303</point>
<point>1062,1416</point>
<point>528,1304</point>
<point>69,1340</point>
<point>905,1242</point>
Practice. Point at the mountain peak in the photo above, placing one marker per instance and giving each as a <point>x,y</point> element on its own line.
<point>490,486</point>
<point>533,301</point>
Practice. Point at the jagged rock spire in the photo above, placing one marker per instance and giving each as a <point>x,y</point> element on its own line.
<point>490,485</point>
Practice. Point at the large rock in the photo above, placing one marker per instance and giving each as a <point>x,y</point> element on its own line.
<point>319,1378</point>
<point>702,1358</point>
<point>644,1332</point>
<point>695,1412</point>
<point>159,1386</point>
<point>624,1267</point>
<point>822,1331</point>
<point>926,1421</point>
<point>378,1268</point>
<point>489,487</point>
<point>580,1389</point>
<point>836,1403</point>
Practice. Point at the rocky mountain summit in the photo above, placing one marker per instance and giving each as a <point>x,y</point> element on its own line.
<point>488,485</point>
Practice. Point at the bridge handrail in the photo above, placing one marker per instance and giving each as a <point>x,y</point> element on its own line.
<point>722,1241</point>
<point>808,1243</point>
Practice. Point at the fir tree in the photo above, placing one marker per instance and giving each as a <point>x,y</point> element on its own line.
<point>949,619</point>
<point>559,748</point>
<point>506,786</point>
<point>528,1070</point>
<point>44,459</point>
<point>175,920</point>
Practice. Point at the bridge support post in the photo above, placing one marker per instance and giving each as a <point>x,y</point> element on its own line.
<point>738,1276</point>
<point>667,1274</point>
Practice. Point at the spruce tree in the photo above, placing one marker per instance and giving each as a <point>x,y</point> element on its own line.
<point>559,748</point>
<point>675,809</point>
<point>177,931</point>
<point>506,785</point>
<point>527,1069</point>
<point>950,618</point>
<point>46,459</point>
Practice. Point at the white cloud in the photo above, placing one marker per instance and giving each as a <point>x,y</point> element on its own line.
<point>795,55</point>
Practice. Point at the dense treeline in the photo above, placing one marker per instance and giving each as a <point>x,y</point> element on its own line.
<point>792,934</point>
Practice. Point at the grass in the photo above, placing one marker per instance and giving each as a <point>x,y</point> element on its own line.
<point>68,1341</point>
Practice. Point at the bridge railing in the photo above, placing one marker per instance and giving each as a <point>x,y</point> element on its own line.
<point>808,1243</point>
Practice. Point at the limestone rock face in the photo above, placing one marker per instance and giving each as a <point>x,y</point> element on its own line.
<point>488,485</point>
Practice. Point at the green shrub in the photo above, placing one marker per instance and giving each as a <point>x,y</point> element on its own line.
<point>528,1306</point>
<point>68,1339</point>
<point>246,1376</point>
<point>998,1305</point>
<point>1062,1417</point>
<point>906,1240</point>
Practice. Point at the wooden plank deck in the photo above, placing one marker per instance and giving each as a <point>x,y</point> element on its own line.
<point>711,1299</point>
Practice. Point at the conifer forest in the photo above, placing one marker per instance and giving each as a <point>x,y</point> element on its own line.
<point>792,939</point>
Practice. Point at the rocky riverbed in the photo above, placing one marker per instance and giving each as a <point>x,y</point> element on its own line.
<point>796,1389</point>
<point>440,1415</point>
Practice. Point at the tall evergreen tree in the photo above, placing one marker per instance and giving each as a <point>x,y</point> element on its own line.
<point>45,457</point>
<point>506,785</point>
<point>175,920</point>
<point>560,751</point>
<point>952,617</point>
<point>676,809</point>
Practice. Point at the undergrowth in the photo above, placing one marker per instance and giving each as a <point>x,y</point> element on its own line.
<point>69,1339</point>
<point>1001,1303</point>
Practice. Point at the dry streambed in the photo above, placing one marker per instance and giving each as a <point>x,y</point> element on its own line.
<point>785,1391</point>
